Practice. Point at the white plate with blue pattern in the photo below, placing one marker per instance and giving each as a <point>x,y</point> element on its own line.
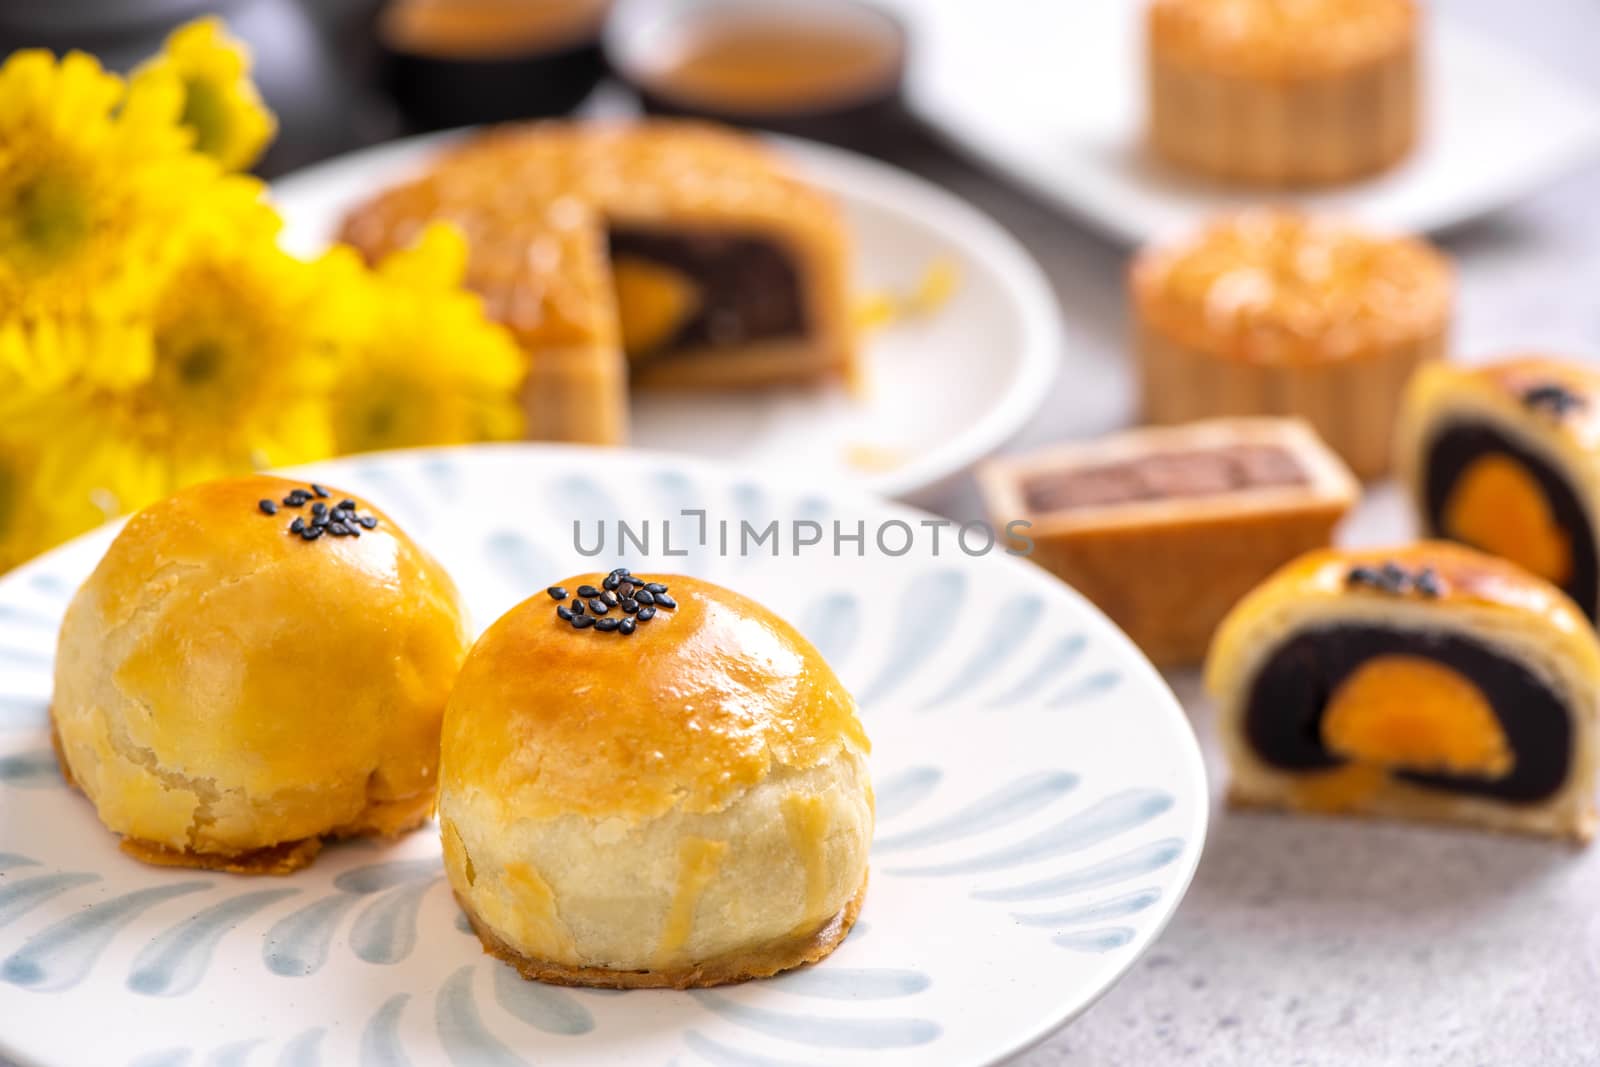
<point>1041,808</point>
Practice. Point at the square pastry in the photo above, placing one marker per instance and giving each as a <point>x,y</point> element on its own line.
<point>1165,528</point>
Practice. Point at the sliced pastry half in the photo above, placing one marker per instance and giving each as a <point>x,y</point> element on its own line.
<point>1429,682</point>
<point>1506,458</point>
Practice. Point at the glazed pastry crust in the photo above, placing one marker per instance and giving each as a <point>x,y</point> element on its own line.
<point>1166,571</point>
<point>1483,598</point>
<point>1267,93</point>
<point>535,200</point>
<point>679,804</point>
<point>1444,395</point>
<point>227,694</point>
<point>759,962</point>
<point>1272,312</point>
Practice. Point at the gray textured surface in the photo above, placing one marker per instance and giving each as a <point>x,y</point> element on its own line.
<point>1337,942</point>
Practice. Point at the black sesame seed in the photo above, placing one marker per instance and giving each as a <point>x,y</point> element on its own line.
<point>369,521</point>
<point>267,507</point>
<point>611,582</point>
<point>621,571</point>
<point>610,598</point>
<point>656,587</point>
<point>665,601</point>
<point>298,525</point>
<point>628,604</point>
<point>627,626</point>
<point>587,591</point>
<point>338,529</point>
<point>1427,583</point>
<point>645,596</point>
<point>319,508</point>
<point>341,514</point>
<point>311,533</point>
<point>292,501</point>
<point>319,520</point>
<point>606,625</point>
<point>582,622</point>
<point>347,504</point>
<point>317,489</point>
<point>557,593</point>
<point>1363,576</point>
<point>577,607</point>
<point>646,614</point>
<point>625,588</point>
<point>598,606</point>
<point>564,611</point>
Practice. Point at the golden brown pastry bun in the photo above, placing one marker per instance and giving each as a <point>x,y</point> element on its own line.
<point>686,804</point>
<point>228,691</point>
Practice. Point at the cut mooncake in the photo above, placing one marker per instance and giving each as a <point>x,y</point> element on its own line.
<point>667,253</point>
<point>1166,528</point>
<point>1430,682</point>
<point>1506,458</point>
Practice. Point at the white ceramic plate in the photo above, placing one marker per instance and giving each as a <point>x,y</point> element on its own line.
<point>943,391</point>
<point>1056,102</point>
<point>1041,807</point>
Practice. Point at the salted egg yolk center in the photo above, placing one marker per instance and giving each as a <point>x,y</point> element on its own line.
<point>1498,506</point>
<point>1413,713</point>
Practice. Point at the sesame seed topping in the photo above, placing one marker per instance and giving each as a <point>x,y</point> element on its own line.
<point>311,533</point>
<point>1395,580</point>
<point>347,504</point>
<point>341,521</point>
<point>591,607</point>
<point>267,507</point>
<point>298,525</point>
<point>1553,397</point>
<point>319,508</point>
<point>317,489</point>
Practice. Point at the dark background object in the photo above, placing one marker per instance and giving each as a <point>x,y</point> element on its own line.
<point>506,63</point>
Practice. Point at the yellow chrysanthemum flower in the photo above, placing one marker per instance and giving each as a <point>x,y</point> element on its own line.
<point>220,102</point>
<point>240,370</point>
<point>419,363</point>
<point>90,192</point>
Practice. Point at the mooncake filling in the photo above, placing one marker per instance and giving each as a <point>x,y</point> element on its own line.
<point>1485,490</point>
<point>1164,476</point>
<point>1438,710</point>
<point>679,291</point>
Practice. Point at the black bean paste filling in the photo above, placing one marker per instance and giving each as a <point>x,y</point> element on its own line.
<point>1451,452</point>
<point>1283,720</point>
<point>749,287</point>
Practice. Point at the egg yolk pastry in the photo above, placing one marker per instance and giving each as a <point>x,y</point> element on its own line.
<point>653,781</point>
<point>668,253</point>
<point>1165,528</point>
<point>1274,312</point>
<point>255,665</point>
<point>1430,682</point>
<point>1283,92</point>
<point>1506,458</point>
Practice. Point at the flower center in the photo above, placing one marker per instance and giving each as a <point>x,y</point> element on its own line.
<point>200,364</point>
<point>50,217</point>
<point>205,111</point>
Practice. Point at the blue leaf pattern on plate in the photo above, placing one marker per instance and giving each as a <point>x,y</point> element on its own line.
<point>380,1041</point>
<point>1114,908</point>
<point>17,898</point>
<point>900,792</point>
<point>990,658</point>
<point>461,1030</point>
<point>174,962</point>
<point>59,956</point>
<point>31,770</point>
<point>1102,820</point>
<point>1135,863</point>
<point>823,1031</point>
<point>914,640</point>
<point>543,1007</point>
<point>1006,805</point>
<point>303,1050</point>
